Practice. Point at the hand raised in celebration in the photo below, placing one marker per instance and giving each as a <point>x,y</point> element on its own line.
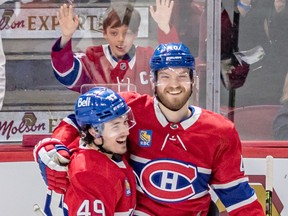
<point>68,22</point>
<point>162,14</point>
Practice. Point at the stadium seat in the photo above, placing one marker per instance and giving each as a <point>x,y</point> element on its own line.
<point>255,122</point>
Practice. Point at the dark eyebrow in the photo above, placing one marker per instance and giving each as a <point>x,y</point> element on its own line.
<point>185,71</point>
<point>163,72</point>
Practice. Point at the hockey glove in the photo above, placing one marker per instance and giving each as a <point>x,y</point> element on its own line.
<point>53,158</point>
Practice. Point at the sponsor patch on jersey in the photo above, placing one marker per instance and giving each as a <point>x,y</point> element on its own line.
<point>145,138</point>
<point>128,188</point>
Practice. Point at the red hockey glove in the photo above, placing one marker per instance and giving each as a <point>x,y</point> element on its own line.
<point>53,158</point>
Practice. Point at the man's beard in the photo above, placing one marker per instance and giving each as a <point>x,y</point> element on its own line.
<point>173,105</point>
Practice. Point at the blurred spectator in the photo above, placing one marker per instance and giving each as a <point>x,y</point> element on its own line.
<point>119,61</point>
<point>276,29</point>
<point>233,74</point>
<point>264,24</point>
<point>280,124</point>
<point>189,18</point>
<point>186,18</point>
<point>251,31</point>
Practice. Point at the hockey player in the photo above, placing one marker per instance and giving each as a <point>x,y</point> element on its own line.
<point>179,151</point>
<point>101,181</point>
<point>119,61</point>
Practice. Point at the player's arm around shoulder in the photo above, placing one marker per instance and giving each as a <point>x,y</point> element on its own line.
<point>138,102</point>
<point>67,131</point>
<point>130,96</point>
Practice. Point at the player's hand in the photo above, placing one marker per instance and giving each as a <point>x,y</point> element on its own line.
<point>68,22</point>
<point>53,158</point>
<point>162,14</point>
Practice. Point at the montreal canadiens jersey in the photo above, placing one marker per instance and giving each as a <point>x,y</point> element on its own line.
<point>176,162</point>
<point>99,185</point>
<point>98,66</point>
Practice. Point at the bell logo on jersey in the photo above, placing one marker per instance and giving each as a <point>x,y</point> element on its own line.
<point>84,102</point>
<point>145,138</point>
<point>168,180</point>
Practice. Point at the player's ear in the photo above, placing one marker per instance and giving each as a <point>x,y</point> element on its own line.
<point>94,133</point>
<point>192,81</point>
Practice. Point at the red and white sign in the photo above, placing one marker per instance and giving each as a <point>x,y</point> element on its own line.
<point>13,125</point>
<point>43,23</point>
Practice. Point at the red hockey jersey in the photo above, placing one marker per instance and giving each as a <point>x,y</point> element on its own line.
<point>177,163</point>
<point>99,185</point>
<point>98,66</point>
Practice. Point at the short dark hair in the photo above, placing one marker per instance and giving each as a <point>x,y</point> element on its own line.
<point>122,14</point>
<point>85,135</point>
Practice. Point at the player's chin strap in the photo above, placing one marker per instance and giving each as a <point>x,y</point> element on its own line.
<point>102,149</point>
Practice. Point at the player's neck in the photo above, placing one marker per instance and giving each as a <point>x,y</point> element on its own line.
<point>175,116</point>
<point>95,147</point>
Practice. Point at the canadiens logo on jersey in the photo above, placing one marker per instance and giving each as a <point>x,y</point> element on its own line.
<point>123,65</point>
<point>128,188</point>
<point>169,185</point>
<point>145,138</point>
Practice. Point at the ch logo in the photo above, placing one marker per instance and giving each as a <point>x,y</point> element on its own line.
<point>167,180</point>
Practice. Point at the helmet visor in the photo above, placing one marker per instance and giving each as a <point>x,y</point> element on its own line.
<point>119,125</point>
<point>176,74</point>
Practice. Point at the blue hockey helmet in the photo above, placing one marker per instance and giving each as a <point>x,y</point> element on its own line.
<point>99,105</point>
<point>171,55</point>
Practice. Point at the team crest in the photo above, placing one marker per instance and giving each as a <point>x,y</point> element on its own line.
<point>145,138</point>
<point>123,65</point>
<point>168,180</point>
